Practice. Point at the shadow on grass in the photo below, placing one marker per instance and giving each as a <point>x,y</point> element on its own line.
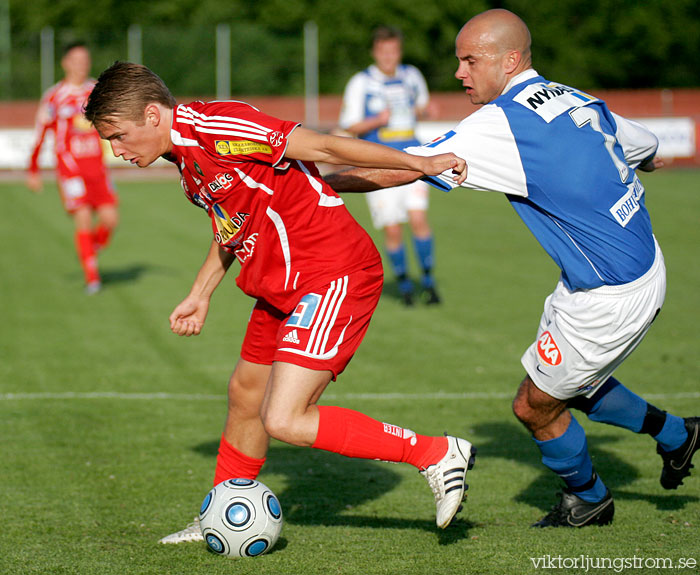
<point>511,441</point>
<point>390,290</point>
<point>323,489</point>
<point>123,275</point>
<point>131,273</point>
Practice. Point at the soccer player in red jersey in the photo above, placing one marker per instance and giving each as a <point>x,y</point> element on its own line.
<point>86,190</point>
<point>314,272</point>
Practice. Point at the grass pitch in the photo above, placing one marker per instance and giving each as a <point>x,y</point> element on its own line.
<point>109,424</point>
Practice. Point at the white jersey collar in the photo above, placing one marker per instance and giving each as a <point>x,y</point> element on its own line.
<point>522,77</point>
<point>377,73</point>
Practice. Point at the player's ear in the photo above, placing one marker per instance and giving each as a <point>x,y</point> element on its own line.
<point>152,115</point>
<point>512,60</point>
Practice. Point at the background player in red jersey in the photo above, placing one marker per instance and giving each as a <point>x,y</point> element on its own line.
<point>82,177</point>
<point>314,272</point>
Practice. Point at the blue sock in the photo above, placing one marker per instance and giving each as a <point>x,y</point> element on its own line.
<point>567,455</point>
<point>397,258</point>
<point>424,251</point>
<point>673,434</point>
<point>621,407</point>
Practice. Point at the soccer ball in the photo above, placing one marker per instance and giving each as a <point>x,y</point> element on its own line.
<point>240,518</point>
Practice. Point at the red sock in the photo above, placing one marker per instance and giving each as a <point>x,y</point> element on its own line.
<point>100,236</point>
<point>86,254</point>
<point>231,463</point>
<point>354,434</point>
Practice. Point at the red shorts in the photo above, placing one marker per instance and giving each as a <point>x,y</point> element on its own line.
<point>324,330</point>
<point>88,190</point>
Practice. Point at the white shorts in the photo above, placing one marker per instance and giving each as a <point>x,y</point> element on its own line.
<point>584,335</point>
<point>391,205</point>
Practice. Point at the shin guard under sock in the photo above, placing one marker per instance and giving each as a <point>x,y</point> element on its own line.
<point>231,463</point>
<point>616,405</point>
<point>567,455</point>
<point>86,255</point>
<point>354,434</point>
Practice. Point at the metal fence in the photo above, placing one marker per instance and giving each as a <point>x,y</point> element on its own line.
<point>216,60</point>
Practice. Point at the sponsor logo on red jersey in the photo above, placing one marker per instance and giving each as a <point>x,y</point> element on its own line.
<point>276,139</point>
<point>226,226</point>
<point>548,350</point>
<point>247,248</point>
<point>221,182</point>
<point>241,147</point>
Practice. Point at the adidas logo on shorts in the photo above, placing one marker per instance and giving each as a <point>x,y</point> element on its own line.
<point>291,337</point>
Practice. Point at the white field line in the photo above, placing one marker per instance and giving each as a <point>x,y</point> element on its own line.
<point>439,395</point>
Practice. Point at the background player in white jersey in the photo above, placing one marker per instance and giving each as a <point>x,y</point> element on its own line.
<point>86,189</point>
<point>568,167</point>
<point>314,273</point>
<point>382,104</point>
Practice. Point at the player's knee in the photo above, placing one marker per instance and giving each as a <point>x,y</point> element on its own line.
<point>239,409</point>
<point>112,222</point>
<point>108,216</point>
<point>420,228</point>
<point>532,418</point>
<point>528,414</point>
<point>522,409</point>
<point>279,425</point>
<point>393,237</point>
<point>243,399</point>
<point>521,405</point>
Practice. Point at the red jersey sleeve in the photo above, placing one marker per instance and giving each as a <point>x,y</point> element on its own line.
<point>236,131</point>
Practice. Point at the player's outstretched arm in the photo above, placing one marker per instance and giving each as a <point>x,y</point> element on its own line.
<point>189,315</point>
<point>308,145</point>
<point>360,180</point>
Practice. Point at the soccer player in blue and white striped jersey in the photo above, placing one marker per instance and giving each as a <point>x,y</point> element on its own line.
<point>568,166</point>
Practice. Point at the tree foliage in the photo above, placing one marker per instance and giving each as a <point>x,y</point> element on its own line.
<point>593,44</point>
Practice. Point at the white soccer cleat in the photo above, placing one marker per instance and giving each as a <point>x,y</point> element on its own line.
<point>93,287</point>
<point>190,533</point>
<point>447,478</point>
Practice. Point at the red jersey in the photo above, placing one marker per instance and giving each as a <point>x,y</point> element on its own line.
<point>288,229</point>
<point>77,144</point>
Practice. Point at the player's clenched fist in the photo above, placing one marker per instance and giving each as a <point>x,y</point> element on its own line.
<point>435,165</point>
<point>188,317</point>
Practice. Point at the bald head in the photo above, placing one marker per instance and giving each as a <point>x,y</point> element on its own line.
<point>501,30</point>
<point>492,47</point>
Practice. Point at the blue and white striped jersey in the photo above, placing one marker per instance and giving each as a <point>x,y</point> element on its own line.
<point>370,91</point>
<point>567,165</point>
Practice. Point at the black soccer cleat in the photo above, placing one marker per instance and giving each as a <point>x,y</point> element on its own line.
<point>572,511</point>
<point>430,296</point>
<point>677,463</point>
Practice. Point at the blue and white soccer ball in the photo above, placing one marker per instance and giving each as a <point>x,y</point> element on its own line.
<point>240,518</point>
